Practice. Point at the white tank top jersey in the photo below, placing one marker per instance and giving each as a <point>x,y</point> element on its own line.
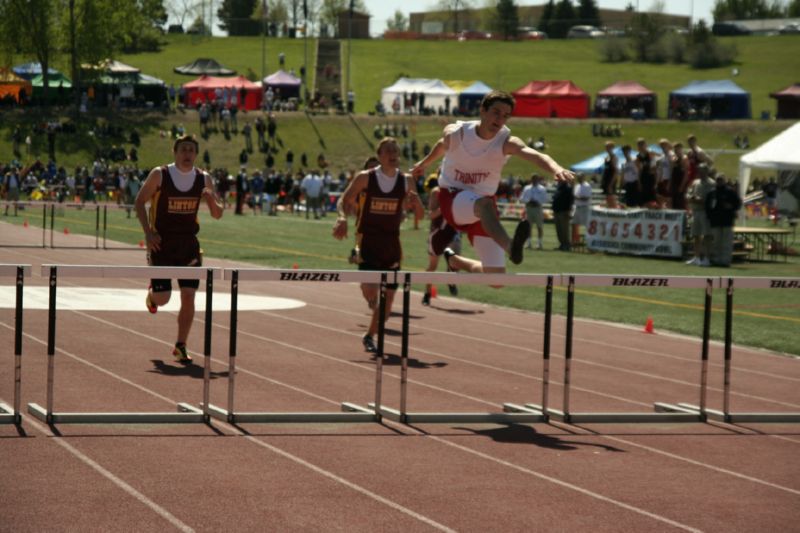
<point>472,163</point>
<point>183,180</point>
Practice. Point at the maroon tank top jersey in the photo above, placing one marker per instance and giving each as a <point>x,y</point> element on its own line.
<point>379,224</point>
<point>173,211</point>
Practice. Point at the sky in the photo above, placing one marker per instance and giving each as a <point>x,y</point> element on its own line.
<point>381,10</point>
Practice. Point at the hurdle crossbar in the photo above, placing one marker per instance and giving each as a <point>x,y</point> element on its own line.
<point>662,411</point>
<point>725,414</point>
<point>16,206</point>
<point>509,412</point>
<point>350,412</point>
<point>11,415</point>
<point>185,412</point>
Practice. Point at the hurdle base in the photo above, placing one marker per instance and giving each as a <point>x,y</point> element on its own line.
<point>521,416</point>
<point>350,413</point>
<point>186,415</point>
<point>734,418</point>
<point>8,416</point>
<point>664,413</point>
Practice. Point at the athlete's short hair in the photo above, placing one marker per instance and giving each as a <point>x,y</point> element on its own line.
<point>186,139</point>
<point>383,142</point>
<point>497,96</point>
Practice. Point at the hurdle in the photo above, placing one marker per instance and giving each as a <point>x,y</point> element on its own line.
<point>105,227</point>
<point>350,412</point>
<point>9,415</point>
<point>725,415</point>
<point>510,412</point>
<point>663,412</point>
<point>53,206</point>
<point>16,206</point>
<point>186,412</point>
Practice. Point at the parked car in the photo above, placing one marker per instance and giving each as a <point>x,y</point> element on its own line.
<point>729,28</point>
<point>473,35</point>
<point>529,33</point>
<point>790,29</point>
<point>585,32</point>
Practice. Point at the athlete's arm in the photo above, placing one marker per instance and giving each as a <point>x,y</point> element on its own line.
<point>149,188</point>
<point>515,146</point>
<point>347,203</point>
<point>438,150</point>
<point>214,204</point>
<point>433,203</point>
<point>412,200</point>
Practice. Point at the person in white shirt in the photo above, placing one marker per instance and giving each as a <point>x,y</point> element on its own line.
<point>312,187</point>
<point>534,196</point>
<point>474,155</point>
<point>664,175</point>
<point>630,178</point>
<point>583,206</point>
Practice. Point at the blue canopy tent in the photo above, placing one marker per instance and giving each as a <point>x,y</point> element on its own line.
<point>710,99</point>
<point>29,71</point>
<point>470,98</point>
<point>594,165</point>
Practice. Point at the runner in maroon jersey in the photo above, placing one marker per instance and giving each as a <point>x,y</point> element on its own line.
<point>170,228</point>
<point>387,194</point>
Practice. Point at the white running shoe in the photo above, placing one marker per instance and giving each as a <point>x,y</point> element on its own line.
<point>693,261</point>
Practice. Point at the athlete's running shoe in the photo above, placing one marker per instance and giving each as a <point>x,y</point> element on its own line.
<point>181,355</point>
<point>148,301</point>
<point>453,289</point>
<point>521,234</point>
<point>426,299</point>
<point>369,344</point>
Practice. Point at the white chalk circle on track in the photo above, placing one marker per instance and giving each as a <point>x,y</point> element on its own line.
<point>111,299</point>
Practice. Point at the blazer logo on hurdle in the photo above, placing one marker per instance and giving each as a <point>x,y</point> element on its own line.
<point>641,282</point>
<point>784,284</point>
<point>309,276</point>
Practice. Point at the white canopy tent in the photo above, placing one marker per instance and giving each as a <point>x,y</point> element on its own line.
<point>780,153</point>
<point>435,92</point>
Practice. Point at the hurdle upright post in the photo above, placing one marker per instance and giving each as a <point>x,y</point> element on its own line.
<point>705,348</point>
<point>105,225</point>
<point>207,344</point>
<point>726,394</point>
<point>18,344</point>
<point>51,342</point>
<point>404,346</point>
<point>44,226</point>
<point>548,321</point>
<point>568,345</point>
<point>379,354</point>
<point>232,344</point>
<point>52,223</point>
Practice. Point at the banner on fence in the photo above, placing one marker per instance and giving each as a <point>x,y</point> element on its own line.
<point>656,232</point>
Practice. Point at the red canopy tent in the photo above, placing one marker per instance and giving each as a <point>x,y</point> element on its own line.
<point>562,99</point>
<point>204,89</point>
<point>624,99</point>
<point>788,102</point>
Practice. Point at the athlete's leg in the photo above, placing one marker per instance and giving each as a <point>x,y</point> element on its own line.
<point>186,313</point>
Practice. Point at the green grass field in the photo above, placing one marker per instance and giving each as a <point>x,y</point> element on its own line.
<point>762,319</point>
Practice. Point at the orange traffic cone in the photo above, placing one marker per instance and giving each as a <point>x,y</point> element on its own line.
<point>66,231</point>
<point>141,244</point>
<point>294,266</point>
<point>648,326</point>
<point>434,293</point>
<point>25,224</point>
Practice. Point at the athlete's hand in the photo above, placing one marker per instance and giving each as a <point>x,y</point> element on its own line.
<point>340,229</point>
<point>564,175</point>
<point>417,170</point>
<point>153,241</point>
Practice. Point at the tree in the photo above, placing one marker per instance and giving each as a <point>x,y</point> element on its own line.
<point>507,20</point>
<point>588,13</point>
<point>454,7</point>
<point>181,10</point>
<point>547,17</point>
<point>563,18</point>
<point>793,9</point>
<point>398,22</point>
<point>236,17</point>
<point>747,9</point>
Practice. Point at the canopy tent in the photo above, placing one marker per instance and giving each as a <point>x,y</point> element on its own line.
<point>58,85</point>
<point>562,99</point>
<point>13,86</point>
<point>205,66</point>
<point>470,97</point>
<point>204,89</point>
<point>285,82</point>
<point>624,99</point>
<point>778,154</point>
<point>436,92</point>
<point>594,165</point>
<point>710,99</point>
<point>111,66</point>
<point>788,102</point>
<point>29,70</point>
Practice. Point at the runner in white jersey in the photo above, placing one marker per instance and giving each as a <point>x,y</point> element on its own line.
<point>474,156</point>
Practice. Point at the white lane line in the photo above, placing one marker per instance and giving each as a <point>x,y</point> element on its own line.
<point>163,512</point>
<point>119,482</point>
<point>566,485</point>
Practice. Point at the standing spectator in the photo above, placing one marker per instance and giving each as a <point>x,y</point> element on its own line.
<point>261,129</point>
<point>680,176</point>
<point>563,199</point>
<point>16,139</point>
<point>206,159</point>
<point>630,178</point>
<point>535,196</point>
<point>583,206</point>
<point>664,175</point>
<point>722,203</point>
<point>311,186</point>
<point>701,230</point>
<point>272,128</point>
<point>695,157</point>
<point>11,187</point>
<point>647,178</point>
<point>610,176</point>
<point>171,92</point>
<point>257,185</point>
<point>247,131</point>
<point>289,161</point>
<point>272,192</point>
<point>351,101</point>
<point>241,190</point>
